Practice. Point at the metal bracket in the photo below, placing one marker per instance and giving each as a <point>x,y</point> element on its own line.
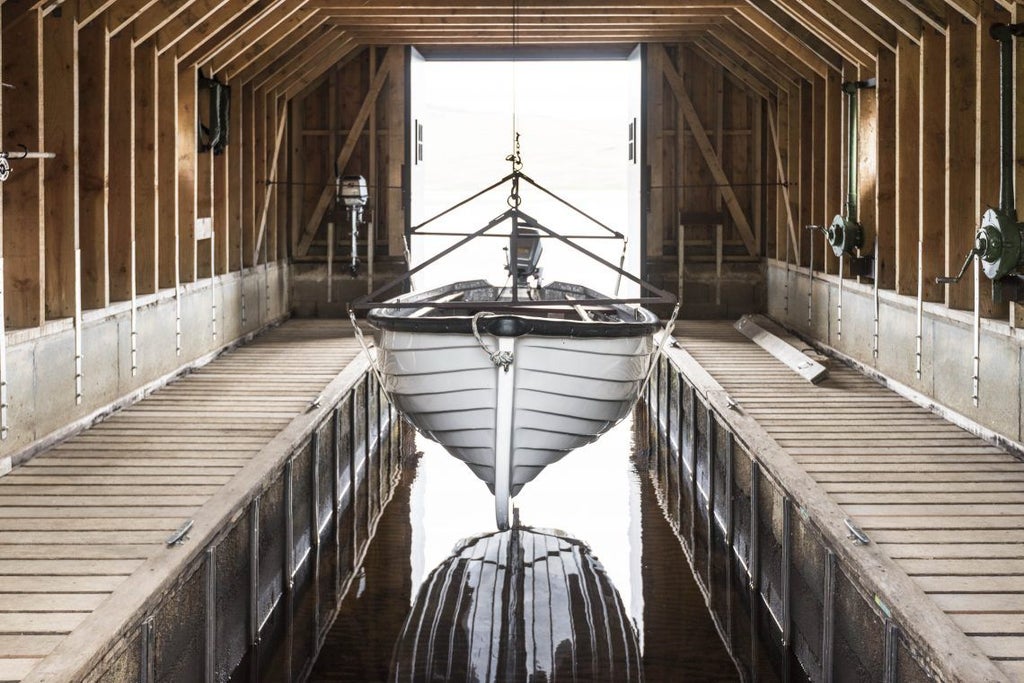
<point>856,533</point>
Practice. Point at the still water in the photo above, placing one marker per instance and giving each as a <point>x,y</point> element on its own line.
<point>593,518</point>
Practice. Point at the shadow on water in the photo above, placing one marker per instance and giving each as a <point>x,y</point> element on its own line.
<point>437,552</point>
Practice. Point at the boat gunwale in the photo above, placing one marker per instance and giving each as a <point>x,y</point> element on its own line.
<point>513,319</point>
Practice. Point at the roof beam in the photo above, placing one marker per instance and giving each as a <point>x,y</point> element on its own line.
<point>791,35</point>
<point>780,72</point>
<point>294,30</point>
<point>834,29</point>
<point>275,23</point>
<point>753,81</point>
<point>226,23</point>
<point>759,33</point>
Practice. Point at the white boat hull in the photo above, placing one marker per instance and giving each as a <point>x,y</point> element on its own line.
<point>563,393</point>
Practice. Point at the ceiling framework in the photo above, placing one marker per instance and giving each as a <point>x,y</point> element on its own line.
<point>245,39</point>
<point>272,52</point>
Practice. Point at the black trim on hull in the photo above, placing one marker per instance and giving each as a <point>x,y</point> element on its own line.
<point>512,320</point>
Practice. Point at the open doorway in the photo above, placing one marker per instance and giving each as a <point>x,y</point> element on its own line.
<point>578,123</point>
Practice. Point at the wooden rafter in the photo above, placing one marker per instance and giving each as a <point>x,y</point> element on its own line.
<point>268,20</point>
<point>748,77</point>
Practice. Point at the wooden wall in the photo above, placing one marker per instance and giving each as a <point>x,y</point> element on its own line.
<point>929,134</point>
<point>350,121</point>
<point>114,215</point>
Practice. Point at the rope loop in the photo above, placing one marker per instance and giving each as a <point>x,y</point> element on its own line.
<point>501,359</point>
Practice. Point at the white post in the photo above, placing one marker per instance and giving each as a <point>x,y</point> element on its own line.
<point>503,437</point>
<point>330,262</point>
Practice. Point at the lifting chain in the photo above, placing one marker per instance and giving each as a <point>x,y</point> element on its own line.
<point>516,159</point>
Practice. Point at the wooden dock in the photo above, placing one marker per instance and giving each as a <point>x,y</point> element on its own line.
<point>80,519</point>
<point>946,506</point>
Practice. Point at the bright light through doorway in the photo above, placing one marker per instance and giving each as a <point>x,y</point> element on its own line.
<point>573,120</point>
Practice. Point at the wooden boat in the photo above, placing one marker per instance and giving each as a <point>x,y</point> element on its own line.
<point>511,393</point>
<point>510,379</point>
<point>518,605</point>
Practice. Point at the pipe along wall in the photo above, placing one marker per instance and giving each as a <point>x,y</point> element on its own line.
<point>256,603</point>
<point>787,602</point>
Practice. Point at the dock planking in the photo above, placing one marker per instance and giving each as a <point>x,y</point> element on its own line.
<point>80,518</point>
<point>946,506</point>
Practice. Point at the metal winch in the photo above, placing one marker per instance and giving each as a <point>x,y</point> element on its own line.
<point>846,235</point>
<point>1000,237</point>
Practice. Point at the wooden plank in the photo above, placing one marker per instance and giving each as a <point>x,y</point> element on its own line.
<point>274,22</point>
<point>834,145</point>
<point>167,171</point>
<point>92,102</point>
<point>926,551</point>
<point>45,602</point>
<point>271,179</point>
<point>1001,625</point>
<point>834,28</point>
<point>92,551</point>
<point>886,177</point>
<point>247,142</point>
<point>786,202</point>
<point>236,229</point>
<point>708,152</point>
<point>43,623</point>
<point>71,539</point>
<point>929,536</point>
<point>62,584</point>
<point>223,236</point>
<point>991,603</point>
<point>784,40</point>
<point>60,176</point>
<point>29,645</point>
<point>986,138</point>
<point>228,22</point>
<point>187,153</point>
<point>798,362</point>
<point>938,498</point>
<point>804,149</point>
<point>355,131</point>
<point>16,668</point>
<point>259,167</point>
<point>932,147</point>
<point>961,132</point>
<point>147,239</point>
<point>908,168</point>
<point>120,167</point>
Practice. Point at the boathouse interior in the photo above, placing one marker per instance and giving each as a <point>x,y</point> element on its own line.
<point>168,171</point>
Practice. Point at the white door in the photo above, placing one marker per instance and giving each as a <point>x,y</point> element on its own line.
<point>636,172</point>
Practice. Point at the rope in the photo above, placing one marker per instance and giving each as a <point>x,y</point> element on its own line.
<point>369,356</point>
<point>501,359</point>
<point>656,356</point>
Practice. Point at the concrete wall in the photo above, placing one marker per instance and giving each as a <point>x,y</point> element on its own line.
<point>739,289</point>
<point>947,343</point>
<point>41,361</point>
<point>309,286</point>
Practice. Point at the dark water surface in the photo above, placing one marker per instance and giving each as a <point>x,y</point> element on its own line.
<point>594,495</point>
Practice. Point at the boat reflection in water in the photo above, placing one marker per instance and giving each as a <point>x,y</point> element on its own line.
<point>518,605</point>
